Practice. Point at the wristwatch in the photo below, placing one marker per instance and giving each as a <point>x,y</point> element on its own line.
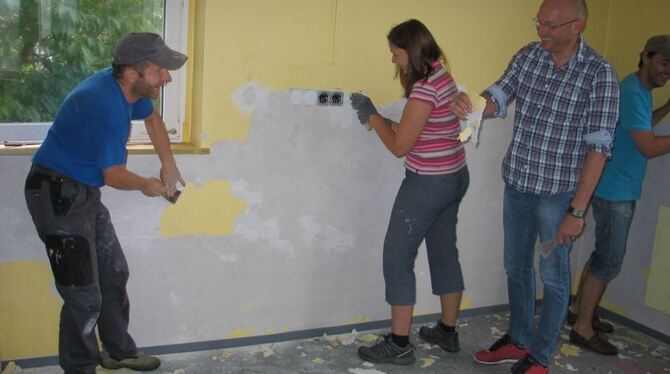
<point>578,213</point>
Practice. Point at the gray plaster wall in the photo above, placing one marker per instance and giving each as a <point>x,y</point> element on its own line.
<point>306,252</point>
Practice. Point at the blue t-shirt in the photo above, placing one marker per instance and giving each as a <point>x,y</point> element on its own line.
<point>91,130</point>
<point>624,172</point>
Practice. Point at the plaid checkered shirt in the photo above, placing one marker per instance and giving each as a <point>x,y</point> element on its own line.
<point>555,109</point>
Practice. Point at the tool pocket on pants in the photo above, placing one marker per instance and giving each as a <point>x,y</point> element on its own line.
<point>63,195</point>
<point>70,259</point>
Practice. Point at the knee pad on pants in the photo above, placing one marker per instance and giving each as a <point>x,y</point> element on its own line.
<point>70,259</point>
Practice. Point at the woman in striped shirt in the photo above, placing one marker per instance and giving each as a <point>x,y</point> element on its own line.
<point>426,206</point>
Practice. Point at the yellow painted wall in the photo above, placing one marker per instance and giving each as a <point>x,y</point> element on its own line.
<point>342,44</point>
<point>631,24</point>
<point>29,310</point>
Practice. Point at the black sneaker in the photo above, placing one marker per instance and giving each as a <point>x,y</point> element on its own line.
<point>139,362</point>
<point>446,340</point>
<point>386,351</point>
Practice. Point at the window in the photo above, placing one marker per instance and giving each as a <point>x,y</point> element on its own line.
<point>48,46</point>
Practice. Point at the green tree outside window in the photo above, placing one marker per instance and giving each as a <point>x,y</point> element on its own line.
<point>48,46</point>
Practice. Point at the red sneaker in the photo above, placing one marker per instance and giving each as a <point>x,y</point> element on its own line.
<point>528,365</point>
<point>503,350</point>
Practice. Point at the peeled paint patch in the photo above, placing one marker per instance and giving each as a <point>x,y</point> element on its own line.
<point>359,319</point>
<point>29,310</point>
<point>208,210</point>
<point>466,302</point>
<point>248,96</point>
<point>645,272</point>
<point>620,310</point>
<point>326,236</point>
<point>570,350</point>
<point>242,333</point>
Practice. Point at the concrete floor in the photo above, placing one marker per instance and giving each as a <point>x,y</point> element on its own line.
<point>337,354</point>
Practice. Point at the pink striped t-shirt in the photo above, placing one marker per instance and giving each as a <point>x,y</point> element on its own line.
<point>438,150</point>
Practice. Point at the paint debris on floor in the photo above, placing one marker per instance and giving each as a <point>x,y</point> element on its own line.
<point>337,354</point>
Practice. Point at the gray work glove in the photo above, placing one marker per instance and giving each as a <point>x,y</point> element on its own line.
<point>363,107</point>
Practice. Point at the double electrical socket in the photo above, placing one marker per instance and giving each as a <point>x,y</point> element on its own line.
<point>318,97</point>
<point>330,98</point>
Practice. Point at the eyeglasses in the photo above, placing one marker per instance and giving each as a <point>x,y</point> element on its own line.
<point>539,24</point>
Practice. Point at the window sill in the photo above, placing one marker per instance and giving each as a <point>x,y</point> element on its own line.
<point>133,149</point>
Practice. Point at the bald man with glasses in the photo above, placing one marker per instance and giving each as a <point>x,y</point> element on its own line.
<point>567,105</point>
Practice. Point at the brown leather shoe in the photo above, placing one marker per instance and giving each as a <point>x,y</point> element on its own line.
<point>598,343</point>
<point>598,324</point>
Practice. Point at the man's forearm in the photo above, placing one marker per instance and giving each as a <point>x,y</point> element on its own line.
<point>121,178</point>
<point>159,138</point>
<point>588,179</point>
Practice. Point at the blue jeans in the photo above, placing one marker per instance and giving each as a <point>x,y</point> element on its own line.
<point>525,217</point>
<point>613,220</point>
<point>426,207</point>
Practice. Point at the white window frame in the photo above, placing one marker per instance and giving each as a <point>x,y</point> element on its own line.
<point>174,93</point>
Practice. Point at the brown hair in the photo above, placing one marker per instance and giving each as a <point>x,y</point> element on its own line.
<point>422,49</point>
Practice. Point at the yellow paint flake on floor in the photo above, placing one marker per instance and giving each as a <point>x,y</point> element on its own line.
<point>209,210</point>
<point>639,343</point>
<point>368,338</point>
<point>426,362</point>
<point>570,350</point>
<point>29,310</point>
<point>11,366</point>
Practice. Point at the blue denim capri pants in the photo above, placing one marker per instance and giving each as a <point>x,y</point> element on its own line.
<point>613,219</point>
<point>426,207</point>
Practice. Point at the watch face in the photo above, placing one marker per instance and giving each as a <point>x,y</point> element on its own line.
<point>579,213</point>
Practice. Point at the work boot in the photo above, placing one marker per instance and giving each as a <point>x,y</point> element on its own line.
<point>139,362</point>
<point>386,351</point>
<point>436,335</point>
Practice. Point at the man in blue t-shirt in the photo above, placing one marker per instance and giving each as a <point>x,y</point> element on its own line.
<point>84,150</point>
<point>619,187</point>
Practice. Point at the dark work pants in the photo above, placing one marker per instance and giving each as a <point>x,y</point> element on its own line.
<point>88,265</point>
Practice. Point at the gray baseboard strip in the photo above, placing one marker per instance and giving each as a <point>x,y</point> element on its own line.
<point>634,325</point>
<point>335,330</point>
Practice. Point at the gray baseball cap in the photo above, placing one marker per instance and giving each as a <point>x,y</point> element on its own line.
<point>659,44</point>
<point>135,47</point>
